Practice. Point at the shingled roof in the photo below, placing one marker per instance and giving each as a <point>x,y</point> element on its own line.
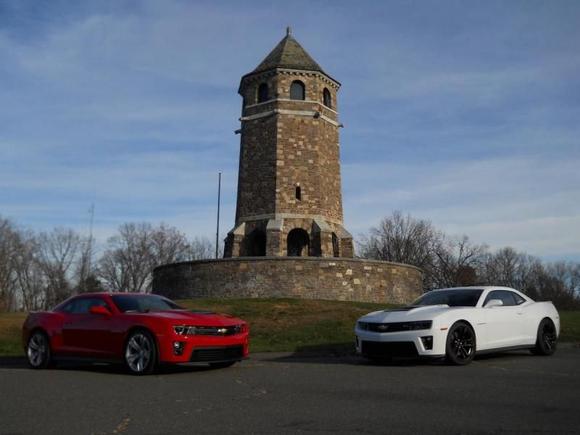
<point>288,54</point>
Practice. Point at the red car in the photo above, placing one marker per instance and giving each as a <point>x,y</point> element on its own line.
<point>141,330</point>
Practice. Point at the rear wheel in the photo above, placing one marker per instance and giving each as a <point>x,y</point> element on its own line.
<point>141,353</point>
<point>460,347</point>
<point>38,350</point>
<point>546,339</point>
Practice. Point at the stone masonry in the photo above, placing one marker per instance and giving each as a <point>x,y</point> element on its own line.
<point>288,239</point>
<point>344,279</point>
<point>289,174</point>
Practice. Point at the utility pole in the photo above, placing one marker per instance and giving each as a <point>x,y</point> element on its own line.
<point>90,247</point>
<point>217,234</point>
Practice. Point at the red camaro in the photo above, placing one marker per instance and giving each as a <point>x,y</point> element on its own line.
<point>139,329</point>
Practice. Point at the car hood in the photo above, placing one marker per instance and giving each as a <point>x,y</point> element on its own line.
<point>406,314</point>
<point>194,318</point>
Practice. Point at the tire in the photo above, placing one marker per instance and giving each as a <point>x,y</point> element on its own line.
<point>38,351</point>
<point>222,365</point>
<point>546,340</point>
<point>461,344</point>
<point>140,353</point>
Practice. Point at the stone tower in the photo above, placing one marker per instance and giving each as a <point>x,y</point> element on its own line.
<point>289,200</point>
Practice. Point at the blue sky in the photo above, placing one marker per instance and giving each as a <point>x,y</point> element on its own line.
<point>466,113</point>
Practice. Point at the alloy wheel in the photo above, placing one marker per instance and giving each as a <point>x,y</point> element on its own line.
<point>139,352</point>
<point>37,350</point>
<point>549,336</point>
<point>462,342</point>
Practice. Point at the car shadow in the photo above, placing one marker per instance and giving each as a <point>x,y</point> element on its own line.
<point>111,368</point>
<point>344,353</point>
<point>13,362</point>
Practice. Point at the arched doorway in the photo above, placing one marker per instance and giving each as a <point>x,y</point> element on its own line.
<point>298,243</point>
<point>255,243</point>
<point>335,245</point>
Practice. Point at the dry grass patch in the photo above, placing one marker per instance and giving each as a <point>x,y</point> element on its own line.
<point>10,330</point>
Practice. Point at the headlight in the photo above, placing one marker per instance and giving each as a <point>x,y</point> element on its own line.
<point>181,329</point>
<point>413,326</point>
<point>363,326</point>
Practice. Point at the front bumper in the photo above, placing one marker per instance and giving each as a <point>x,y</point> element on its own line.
<point>204,348</point>
<point>400,344</point>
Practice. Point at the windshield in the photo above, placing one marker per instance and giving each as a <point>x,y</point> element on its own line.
<point>453,298</point>
<point>143,303</point>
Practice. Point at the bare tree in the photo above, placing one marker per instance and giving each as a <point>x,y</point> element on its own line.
<point>135,251</point>
<point>402,239</point>
<point>168,245</point>
<point>200,248</point>
<point>456,263</point>
<point>9,247</point>
<point>57,253</point>
<point>31,279</point>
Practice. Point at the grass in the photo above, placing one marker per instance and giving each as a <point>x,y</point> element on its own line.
<point>10,327</point>
<point>570,326</point>
<point>280,324</point>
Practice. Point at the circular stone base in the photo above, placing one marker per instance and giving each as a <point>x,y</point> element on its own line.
<point>343,279</point>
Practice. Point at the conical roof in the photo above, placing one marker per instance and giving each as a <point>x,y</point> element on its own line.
<point>288,54</point>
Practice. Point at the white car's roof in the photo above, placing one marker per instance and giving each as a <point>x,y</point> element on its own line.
<point>476,287</point>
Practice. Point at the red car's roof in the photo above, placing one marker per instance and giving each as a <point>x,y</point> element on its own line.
<point>115,293</point>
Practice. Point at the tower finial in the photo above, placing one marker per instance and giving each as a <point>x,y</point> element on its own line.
<point>288,31</point>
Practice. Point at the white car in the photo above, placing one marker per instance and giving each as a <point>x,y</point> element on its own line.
<point>457,323</point>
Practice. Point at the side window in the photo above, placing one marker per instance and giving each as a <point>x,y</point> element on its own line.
<point>519,300</point>
<point>69,308</point>
<point>83,305</point>
<point>505,296</point>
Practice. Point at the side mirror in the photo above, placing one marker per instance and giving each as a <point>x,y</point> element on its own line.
<point>99,309</point>
<point>494,303</point>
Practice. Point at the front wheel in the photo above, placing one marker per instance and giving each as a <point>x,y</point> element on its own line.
<point>141,353</point>
<point>38,351</point>
<point>546,338</point>
<point>460,347</point>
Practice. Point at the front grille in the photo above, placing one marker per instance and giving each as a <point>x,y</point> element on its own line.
<point>223,353</point>
<point>377,349</point>
<point>219,330</point>
<point>395,326</point>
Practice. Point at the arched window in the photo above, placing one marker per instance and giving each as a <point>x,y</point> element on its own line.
<point>326,98</point>
<point>297,90</point>
<point>298,193</point>
<point>262,93</point>
<point>335,245</point>
<point>298,243</point>
<point>255,244</point>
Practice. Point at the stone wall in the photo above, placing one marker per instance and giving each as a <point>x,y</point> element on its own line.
<point>288,144</point>
<point>344,279</point>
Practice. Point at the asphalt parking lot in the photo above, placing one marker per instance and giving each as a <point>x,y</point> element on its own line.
<point>284,393</point>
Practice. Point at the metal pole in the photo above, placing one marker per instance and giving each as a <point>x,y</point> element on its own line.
<point>217,234</point>
<point>90,248</point>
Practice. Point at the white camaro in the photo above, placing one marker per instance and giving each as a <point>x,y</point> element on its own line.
<point>457,323</point>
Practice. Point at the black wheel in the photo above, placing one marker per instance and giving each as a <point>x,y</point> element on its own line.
<point>546,339</point>
<point>38,351</point>
<point>460,347</point>
<point>222,365</point>
<point>141,353</point>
